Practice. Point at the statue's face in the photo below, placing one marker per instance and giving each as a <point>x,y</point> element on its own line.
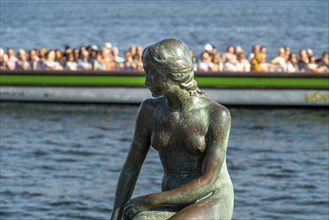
<point>156,82</point>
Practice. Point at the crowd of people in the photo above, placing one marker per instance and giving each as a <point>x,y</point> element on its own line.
<point>85,58</point>
<point>108,57</point>
<point>234,59</point>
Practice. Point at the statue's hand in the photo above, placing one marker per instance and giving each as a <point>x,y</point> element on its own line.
<point>135,206</point>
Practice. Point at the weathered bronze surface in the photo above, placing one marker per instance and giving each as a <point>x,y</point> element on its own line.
<point>190,132</point>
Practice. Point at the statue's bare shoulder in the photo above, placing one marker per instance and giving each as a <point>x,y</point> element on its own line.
<point>217,112</point>
<point>147,111</point>
<point>152,103</point>
<point>150,106</point>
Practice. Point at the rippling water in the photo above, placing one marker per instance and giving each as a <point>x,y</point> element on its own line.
<point>63,161</point>
<point>272,23</point>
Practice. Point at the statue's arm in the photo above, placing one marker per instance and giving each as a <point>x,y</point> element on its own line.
<point>219,128</point>
<point>131,168</point>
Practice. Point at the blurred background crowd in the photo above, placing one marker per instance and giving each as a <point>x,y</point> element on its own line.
<point>108,58</point>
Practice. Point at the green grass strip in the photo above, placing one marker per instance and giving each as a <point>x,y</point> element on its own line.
<point>138,80</point>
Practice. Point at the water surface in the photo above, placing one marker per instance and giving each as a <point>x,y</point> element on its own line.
<point>56,23</point>
<point>63,161</point>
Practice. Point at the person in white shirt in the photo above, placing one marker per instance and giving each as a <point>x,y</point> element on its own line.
<point>291,64</point>
<point>242,63</point>
<point>229,65</point>
<point>70,63</point>
<point>279,61</point>
<point>50,63</point>
<point>205,63</point>
<point>12,59</point>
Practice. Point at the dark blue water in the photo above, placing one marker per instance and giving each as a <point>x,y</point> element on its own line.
<point>55,23</point>
<point>63,161</point>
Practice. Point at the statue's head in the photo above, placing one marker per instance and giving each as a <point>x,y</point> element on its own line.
<point>171,57</point>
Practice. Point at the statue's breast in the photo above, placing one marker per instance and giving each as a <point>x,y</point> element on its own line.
<point>178,135</point>
<point>161,138</point>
